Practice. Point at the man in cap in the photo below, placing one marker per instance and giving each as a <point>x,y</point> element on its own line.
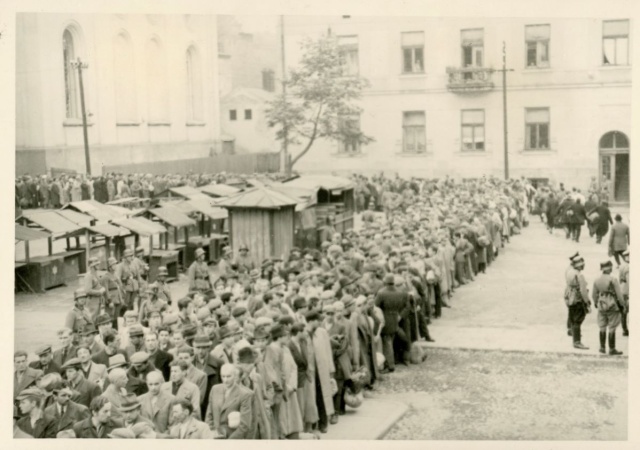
<point>623,275</point>
<point>131,413</point>
<point>577,299</point>
<point>607,297</point>
<point>243,260</point>
<point>250,377</point>
<point>182,388</point>
<point>185,424</point>
<point>198,273</point>
<point>65,413</point>
<point>136,340</point>
<point>101,423</point>
<point>114,291</point>
<point>94,289</point>
<point>151,303</point>
<point>140,367</point>
<point>79,316</point>
<point>155,405</point>
<point>163,291</point>
<point>394,304</point>
<point>104,323</point>
<point>193,374</point>
<point>110,340</point>
<point>88,337</point>
<point>143,270</point>
<point>45,361</point>
<point>128,274</point>
<point>160,359</point>
<point>226,399</point>
<point>93,372</point>
<point>67,350</point>
<point>224,350</point>
<point>208,364</point>
<point>24,376</point>
<point>84,391</point>
<point>34,421</point>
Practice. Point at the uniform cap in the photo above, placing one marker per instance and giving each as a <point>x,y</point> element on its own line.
<point>606,264</point>
<point>79,293</point>
<point>103,319</point>
<point>112,261</point>
<point>199,252</point>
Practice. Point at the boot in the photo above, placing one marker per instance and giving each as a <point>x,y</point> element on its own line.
<point>625,329</point>
<point>612,344</point>
<point>576,339</point>
<point>603,341</point>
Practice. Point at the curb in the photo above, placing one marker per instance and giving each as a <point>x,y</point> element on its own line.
<point>395,419</point>
<point>424,345</point>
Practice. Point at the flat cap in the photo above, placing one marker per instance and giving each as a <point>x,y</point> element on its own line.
<point>136,330</point>
<point>139,358</point>
<point>238,311</point>
<point>43,350</point>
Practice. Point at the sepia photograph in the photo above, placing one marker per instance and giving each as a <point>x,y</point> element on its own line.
<point>321,227</point>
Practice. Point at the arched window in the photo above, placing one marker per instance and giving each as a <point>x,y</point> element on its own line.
<point>71,90</point>
<point>614,140</point>
<point>125,80</point>
<point>158,100</point>
<point>194,85</point>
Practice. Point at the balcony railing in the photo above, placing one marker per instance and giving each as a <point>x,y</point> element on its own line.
<point>469,79</point>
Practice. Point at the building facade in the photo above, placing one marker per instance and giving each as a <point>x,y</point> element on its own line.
<point>150,89</point>
<point>435,101</point>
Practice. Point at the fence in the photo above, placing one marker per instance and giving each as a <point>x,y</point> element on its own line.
<point>249,163</point>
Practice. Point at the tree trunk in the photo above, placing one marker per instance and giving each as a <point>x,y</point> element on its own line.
<point>309,144</point>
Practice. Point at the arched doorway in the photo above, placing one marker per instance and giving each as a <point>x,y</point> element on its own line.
<point>614,165</point>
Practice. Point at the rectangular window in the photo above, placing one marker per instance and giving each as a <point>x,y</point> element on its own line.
<point>536,128</point>
<point>472,47</point>
<point>537,44</point>
<point>615,42</point>
<point>268,80</point>
<point>349,128</point>
<point>472,130</point>
<point>233,115</point>
<point>349,54</point>
<point>247,114</point>
<point>413,52</point>
<point>414,131</point>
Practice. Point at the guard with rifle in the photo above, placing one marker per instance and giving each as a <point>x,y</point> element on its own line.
<point>607,297</point>
<point>576,296</point>
<point>94,289</point>
<point>198,273</point>
<point>127,273</point>
<point>115,292</point>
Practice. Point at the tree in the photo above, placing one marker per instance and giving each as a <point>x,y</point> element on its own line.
<point>320,100</point>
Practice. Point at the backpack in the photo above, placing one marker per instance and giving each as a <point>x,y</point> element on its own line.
<point>607,299</point>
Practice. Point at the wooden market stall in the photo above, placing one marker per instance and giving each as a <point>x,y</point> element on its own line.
<point>333,198</point>
<point>23,274</point>
<point>219,190</point>
<point>212,226</point>
<point>141,227</point>
<point>262,219</point>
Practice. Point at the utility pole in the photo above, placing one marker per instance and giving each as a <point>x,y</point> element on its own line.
<point>504,71</point>
<point>285,141</point>
<point>87,157</point>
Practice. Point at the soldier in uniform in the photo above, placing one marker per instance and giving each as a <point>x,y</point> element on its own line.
<point>128,274</point>
<point>163,290</point>
<point>577,299</point>
<point>78,317</point>
<point>243,260</point>
<point>115,292</point>
<point>143,271</point>
<point>94,289</point>
<point>566,273</point>
<point>623,274</point>
<point>150,304</point>
<point>607,297</point>
<point>198,273</point>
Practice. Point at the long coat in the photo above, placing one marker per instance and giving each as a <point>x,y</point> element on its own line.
<point>290,417</point>
<point>393,304</point>
<point>324,366</point>
<point>340,345</point>
<point>261,405</point>
<point>160,414</point>
<point>187,391</point>
<point>224,401</point>
<point>604,220</point>
<point>367,348</point>
<point>619,237</point>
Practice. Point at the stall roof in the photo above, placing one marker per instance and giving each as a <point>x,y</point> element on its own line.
<point>108,230</point>
<point>141,226</point>
<point>76,217</point>
<point>306,197</point>
<point>95,209</point>
<point>259,198</point>
<point>219,190</point>
<point>29,234</point>
<point>328,182</point>
<point>204,207</point>
<point>53,222</point>
<point>172,216</point>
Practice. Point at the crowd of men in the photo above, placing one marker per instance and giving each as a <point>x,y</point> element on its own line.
<point>273,349</point>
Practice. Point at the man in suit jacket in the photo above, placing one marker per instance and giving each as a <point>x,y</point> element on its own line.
<point>116,392</point>
<point>67,350</point>
<point>23,377</point>
<point>34,422</point>
<point>182,388</point>
<point>619,238</point>
<point>195,375</point>
<point>85,391</point>
<point>186,426</point>
<point>45,361</point>
<point>156,404</point>
<point>208,364</point>
<point>64,412</point>
<point>226,398</point>
<point>394,304</point>
<point>100,424</point>
<point>160,359</point>
<point>578,219</point>
<point>93,372</point>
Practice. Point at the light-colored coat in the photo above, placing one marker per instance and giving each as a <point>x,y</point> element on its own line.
<point>97,374</point>
<point>324,366</point>
<point>222,402</point>
<point>619,237</point>
<point>199,378</point>
<point>187,391</point>
<point>195,430</point>
<point>160,415</point>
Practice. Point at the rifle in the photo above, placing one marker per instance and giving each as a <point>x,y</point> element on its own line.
<point>612,292</point>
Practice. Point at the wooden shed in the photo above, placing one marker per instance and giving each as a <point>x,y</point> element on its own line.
<point>262,219</point>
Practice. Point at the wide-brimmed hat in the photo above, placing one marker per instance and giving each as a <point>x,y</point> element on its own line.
<point>117,360</point>
<point>136,330</point>
<point>129,403</point>
<point>246,355</point>
<point>202,341</point>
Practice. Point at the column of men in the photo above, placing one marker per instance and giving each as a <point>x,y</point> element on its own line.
<point>275,350</point>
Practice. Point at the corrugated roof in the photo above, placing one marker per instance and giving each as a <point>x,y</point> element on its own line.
<point>328,182</point>
<point>204,207</point>
<point>172,216</point>
<point>28,234</point>
<point>108,230</point>
<point>53,222</point>
<point>219,190</point>
<point>258,197</point>
<point>76,217</point>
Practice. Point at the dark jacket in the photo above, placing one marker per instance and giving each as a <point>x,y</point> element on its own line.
<point>394,304</point>
<point>579,214</point>
<point>41,430</point>
<point>86,430</point>
<point>301,361</point>
<point>161,360</point>
<point>73,414</point>
<point>51,368</point>
<point>85,391</point>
